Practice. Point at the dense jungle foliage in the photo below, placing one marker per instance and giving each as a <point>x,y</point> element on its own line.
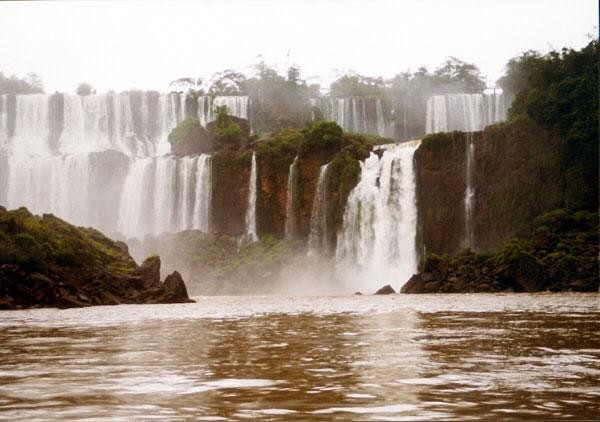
<point>560,90</point>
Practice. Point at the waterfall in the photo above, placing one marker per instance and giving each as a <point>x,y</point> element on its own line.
<point>203,201</point>
<point>377,241</point>
<point>165,194</point>
<point>291,220</point>
<point>353,114</point>
<point>56,184</point>
<point>318,241</point>
<point>469,191</point>
<point>251,236</point>
<point>464,112</point>
<point>134,123</point>
<point>238,106</point>
<point>100,160</point>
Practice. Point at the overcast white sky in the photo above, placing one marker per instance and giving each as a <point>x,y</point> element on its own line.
<point>145,45</point>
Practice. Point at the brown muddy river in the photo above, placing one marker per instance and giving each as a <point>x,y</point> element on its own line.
<point>307,358</point>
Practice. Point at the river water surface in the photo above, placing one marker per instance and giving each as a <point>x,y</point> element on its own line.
<point>307,358</point>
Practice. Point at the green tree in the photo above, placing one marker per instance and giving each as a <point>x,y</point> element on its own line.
<point>353,84</point>
<point>32,84</point>
<point>84,89</point>
<point>227,82</point>
<point>226,130</point>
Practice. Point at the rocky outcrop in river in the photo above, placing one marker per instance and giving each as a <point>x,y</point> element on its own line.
<point>46,262</point>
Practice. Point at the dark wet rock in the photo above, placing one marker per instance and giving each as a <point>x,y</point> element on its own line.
<point>427,277</point>
<point>509,194</point>
<point>47,262</point>
<point>562,255</point>
<point>413,285</point>
<point>122,246</point>
<point>385,290</point>
<point>431,287</point>
<point>175,288</point>
<point>149,273</point>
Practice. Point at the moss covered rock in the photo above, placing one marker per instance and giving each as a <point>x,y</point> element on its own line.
<point>190,138</point>
<point>45,261</point>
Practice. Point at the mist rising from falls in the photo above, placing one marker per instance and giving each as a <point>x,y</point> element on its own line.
<point>354,114</point>
<point>291,218</point>
<point>464,112</point>
<point>318,240</point>
<point>251,234</point>
<point>377,242</point>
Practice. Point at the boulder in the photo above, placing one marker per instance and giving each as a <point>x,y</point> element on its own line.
<point>385,290</point>
<point>431,287</point>
<point>414,284</point>
<point>427,277</point>
<point>175,288</point>
<point>149,273</point>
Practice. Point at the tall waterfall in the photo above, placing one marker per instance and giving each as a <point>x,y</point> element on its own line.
<point>251,234</point>
<point>469,191</point>
<point>238,106</point>
<point>377,241</point>
<point>165,194</point>
<point>291,220</point>
<point>464,112</point>
<point>100,160</point>
<point>354,114</point>
<point>318,241</point>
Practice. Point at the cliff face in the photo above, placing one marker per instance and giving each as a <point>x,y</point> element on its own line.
<point>440,164</point>
<point>271,207</point>
<point>518,173</point>
<point>308,175</point>
<point>230,172</point>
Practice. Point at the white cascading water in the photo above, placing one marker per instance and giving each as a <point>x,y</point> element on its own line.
<point>318,240</point>
<point>101,160</point>
<point>353,114</point>
<point>464,112</point>
<point>251,234</point>
<point>238,106</point>
<point>377,241</point>
<point>165,194</point>
<point>290,208</point>
<point>51,184</point>
<point>469,191</point>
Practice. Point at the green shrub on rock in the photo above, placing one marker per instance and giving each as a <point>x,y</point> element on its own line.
<point>190,138</point>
